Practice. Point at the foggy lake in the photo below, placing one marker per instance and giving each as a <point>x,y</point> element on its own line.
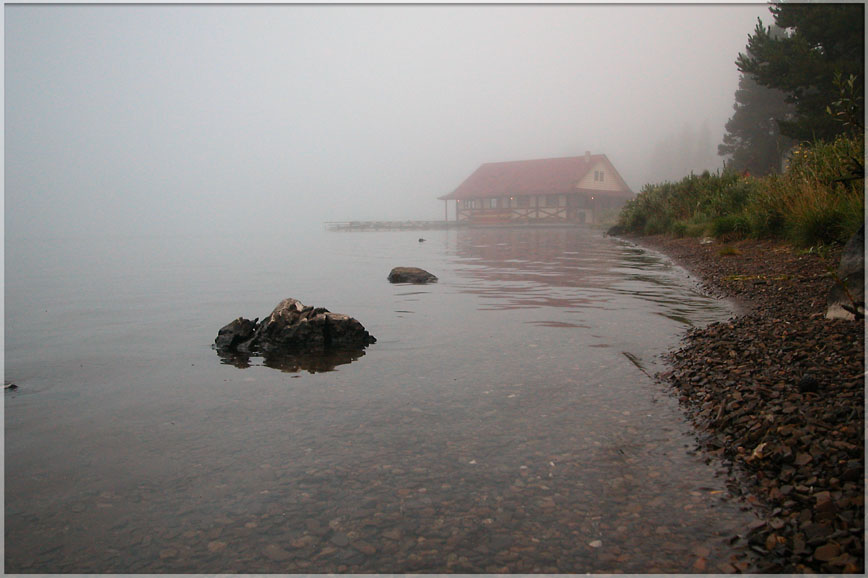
<point>505,419</point>
<point>168,169</point>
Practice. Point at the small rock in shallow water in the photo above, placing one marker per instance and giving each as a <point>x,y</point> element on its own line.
<point>276,553</point>
<point>411,275</point>
<point>364,547</point>
<point>216,546</point>
<point>340,539</point>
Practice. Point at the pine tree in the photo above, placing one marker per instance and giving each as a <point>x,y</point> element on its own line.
<point>822,42</point>
<point>753,142</point>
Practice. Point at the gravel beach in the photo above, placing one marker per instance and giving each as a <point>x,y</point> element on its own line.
<point>777,394</point>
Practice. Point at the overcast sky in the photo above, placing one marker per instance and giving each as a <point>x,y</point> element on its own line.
<point>207,118</point>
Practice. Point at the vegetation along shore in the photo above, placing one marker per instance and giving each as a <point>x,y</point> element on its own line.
<point>777,393</point>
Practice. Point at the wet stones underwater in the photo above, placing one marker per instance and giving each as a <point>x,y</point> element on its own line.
<point>459,526</point>
<point>531,461</point>
<point>390,498</point>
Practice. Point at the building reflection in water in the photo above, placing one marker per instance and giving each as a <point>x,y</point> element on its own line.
<point>562,267</point>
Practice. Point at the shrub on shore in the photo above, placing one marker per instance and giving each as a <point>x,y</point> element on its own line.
<point>818,200</point>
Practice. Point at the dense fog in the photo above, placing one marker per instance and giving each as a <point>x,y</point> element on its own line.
<point>225,120</point>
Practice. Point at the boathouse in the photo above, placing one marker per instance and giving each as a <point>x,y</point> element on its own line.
<point>559,190</point>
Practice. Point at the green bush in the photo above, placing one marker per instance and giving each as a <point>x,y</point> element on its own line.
<point>656,225</point>
<point>730,227</point>
<point>824,163</point>
<point>696,230</point>
<point>819,199</point>
<point>825,225</point>
<point>685,207</point>
<point>766,224</point>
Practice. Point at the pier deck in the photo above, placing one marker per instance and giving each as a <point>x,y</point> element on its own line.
<point>391,225</point>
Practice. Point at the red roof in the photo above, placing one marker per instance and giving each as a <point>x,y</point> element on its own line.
<point>535,177</point>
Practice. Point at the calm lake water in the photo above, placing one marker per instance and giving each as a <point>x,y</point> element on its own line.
<point>504,420</point>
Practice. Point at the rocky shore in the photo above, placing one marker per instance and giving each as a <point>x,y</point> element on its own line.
<point>777,394</point>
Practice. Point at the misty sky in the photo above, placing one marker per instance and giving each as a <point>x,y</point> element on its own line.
<point>169,119</point>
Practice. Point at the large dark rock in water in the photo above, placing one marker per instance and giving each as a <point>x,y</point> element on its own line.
<point>237,335</point>
<point>294,335</point>
<point>293,325</point>
<point>410,275</point>
<point>847,297</point>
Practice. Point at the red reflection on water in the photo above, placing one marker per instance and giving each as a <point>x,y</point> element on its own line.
<point>530,267</point>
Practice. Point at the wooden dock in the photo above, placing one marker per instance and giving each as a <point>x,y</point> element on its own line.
<point>391,225</point>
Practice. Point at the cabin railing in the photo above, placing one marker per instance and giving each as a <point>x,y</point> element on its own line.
<point>518,214</point>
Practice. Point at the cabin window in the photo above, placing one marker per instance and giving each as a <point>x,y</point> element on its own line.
<point>551,200</point>
<point>523,201</point>
<point>598,176</point>
<point>492,203</point>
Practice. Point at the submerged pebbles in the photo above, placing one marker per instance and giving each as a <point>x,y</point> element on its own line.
<point>777,394</point>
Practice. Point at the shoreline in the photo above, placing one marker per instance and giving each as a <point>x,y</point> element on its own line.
<point>777,395</point>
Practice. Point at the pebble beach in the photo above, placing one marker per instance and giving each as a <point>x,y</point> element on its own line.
<point>777,396</point>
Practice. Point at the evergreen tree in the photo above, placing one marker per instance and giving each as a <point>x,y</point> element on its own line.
<point>753,141</point>
<point>822,42</point>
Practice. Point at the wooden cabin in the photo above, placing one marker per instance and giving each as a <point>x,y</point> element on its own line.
<point>560,190</point>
